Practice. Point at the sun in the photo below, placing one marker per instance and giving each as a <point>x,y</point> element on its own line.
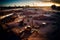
<point>46,4</point>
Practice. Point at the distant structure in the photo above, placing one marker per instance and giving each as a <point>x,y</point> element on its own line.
<point>27,6</point>
<point>54,7</point>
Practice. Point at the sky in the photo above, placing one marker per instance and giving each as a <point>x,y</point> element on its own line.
<point>27,2</point>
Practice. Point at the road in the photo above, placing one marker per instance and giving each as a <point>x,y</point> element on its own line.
<point>38,34</point>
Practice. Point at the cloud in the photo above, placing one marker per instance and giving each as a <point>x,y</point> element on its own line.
<point>44,0</point>
<point>56,1</point>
